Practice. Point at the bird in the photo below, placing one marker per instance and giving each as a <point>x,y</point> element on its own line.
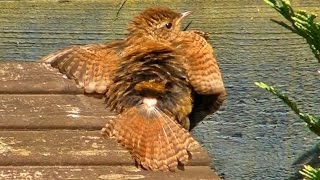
<point>161,81</point>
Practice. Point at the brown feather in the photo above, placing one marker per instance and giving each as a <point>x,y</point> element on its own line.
<point>175,69</point>
<point>203,73</point>
<point>202,68</point>
<point>156,141</point>
<point>91,66</point>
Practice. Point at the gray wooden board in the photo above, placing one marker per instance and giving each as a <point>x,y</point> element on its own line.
<point>52,112</point>
<point>101,172</point>
<point>43,126</point>
<point>34,78</point>
<point>253,136</point>
<point>67,147</point>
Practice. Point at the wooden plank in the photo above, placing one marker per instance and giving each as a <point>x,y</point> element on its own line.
<point>32,29</point>
<point>59,147</point>
<point>34,78</point>
<point>49,111</point>
<point>102,172</point>
<point>34,112</point>
<point>253,130</point>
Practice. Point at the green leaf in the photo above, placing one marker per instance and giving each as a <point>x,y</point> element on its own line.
<point>301,23</point>
<point>312,122</point>
<point>310,173</point>
<point>270,2</point>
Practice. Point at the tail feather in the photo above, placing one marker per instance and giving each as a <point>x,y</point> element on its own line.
<point>155,140</point>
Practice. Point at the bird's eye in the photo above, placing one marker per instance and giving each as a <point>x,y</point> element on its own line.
<point>168,25</point>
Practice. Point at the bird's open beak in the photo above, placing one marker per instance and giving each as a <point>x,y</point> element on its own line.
<point>183,15</point>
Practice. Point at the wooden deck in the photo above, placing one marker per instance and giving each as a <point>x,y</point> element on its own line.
<point>50,130</point>
<point>253,136</point>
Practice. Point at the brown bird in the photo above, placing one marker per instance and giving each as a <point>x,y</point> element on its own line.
<point>156,79</point>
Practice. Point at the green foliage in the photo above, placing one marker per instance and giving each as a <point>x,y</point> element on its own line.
<point>301,23</point>
<point>310,173</point>
<point>313,122</point>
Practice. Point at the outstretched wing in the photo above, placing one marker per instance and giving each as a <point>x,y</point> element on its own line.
<point>91,66</point>
<point>203,74</point>
<point>203,34</point>
<point>202,68</point>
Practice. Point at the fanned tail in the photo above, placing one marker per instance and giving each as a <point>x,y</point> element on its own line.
<point>155,140</point>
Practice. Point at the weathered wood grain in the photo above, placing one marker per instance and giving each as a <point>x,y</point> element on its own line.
<point>253,136</point>
<point>43,123</point>
<point>34,78</point>
<point>32,29</point>
<point>102,172</point>
<point>61,147</point>
<point>54,111</point>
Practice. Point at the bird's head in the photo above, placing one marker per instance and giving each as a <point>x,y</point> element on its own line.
<point>157,22</point>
